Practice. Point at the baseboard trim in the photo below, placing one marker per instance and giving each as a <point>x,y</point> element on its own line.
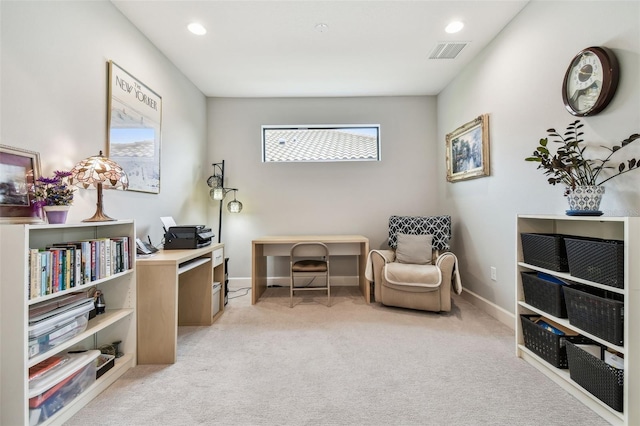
<point>501,314</point>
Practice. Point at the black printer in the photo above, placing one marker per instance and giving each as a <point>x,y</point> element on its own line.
<point>187,237</point>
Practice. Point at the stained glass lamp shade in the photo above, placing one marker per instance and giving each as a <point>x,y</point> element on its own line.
<point>99,172</point>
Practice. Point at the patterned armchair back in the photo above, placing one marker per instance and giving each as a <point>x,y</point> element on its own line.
<point>438,226</point>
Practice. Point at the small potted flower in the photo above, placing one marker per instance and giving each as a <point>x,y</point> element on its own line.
<point>581,174</point>
<point>54,195</point>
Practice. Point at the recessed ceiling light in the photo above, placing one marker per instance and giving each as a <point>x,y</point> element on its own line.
<point>454,27</point>
<point>321,27</point>
<point>197,29</point>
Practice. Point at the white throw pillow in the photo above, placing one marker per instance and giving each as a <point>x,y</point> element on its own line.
<point>414,249</point>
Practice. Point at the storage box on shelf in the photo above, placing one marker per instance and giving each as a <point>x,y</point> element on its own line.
<point>597,312</point>
<point>597,260</point>
<point>59,384</point>
<point>543,292</point>
<point>545,250</point>
<point>48,332</point>
<point>596,376</point>
<point>615,313</point>
<point>548,345</point>
<point>39,325</point>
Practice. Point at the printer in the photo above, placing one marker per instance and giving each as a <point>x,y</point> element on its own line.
<point>187,237</point>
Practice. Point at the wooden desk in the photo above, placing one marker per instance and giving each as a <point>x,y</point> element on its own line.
<point>175,287</point>
<point>339,245</point>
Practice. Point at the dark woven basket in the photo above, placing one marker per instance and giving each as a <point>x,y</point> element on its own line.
<point>600,261</point>
<point>545,250</point>
<point>547,345</point>
<point>602,380</point>
<point>544,294</point>
<point>596,311</point>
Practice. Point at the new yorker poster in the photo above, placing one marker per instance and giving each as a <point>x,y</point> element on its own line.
<point>135,117</point>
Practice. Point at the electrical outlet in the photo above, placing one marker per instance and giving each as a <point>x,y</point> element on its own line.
<point>494,273</point>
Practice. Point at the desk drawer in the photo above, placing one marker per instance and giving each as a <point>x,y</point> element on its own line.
<point>218,257</point>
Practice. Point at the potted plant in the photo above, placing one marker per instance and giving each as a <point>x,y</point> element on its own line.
<point>54,195</point>
<point>582,176</point>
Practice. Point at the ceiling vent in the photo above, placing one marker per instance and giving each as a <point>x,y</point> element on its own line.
<point>447,50</point>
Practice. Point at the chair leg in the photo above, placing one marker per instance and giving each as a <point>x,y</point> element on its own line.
<point>328,292</point>
<point>291,292</point>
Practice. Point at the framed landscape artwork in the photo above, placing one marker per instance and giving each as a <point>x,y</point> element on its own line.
<point>468,150</point>
<point>135,119</point>
<point>19,169</point>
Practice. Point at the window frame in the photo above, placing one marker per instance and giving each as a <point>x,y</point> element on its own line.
<point>267,127</point>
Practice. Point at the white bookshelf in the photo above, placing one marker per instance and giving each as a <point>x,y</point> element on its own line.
<point>626,229</point>
<point>117,323</point>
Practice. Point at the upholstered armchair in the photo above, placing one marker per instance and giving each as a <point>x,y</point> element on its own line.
<point>418,271</point>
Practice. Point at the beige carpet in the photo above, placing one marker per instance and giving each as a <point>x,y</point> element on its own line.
<point>350,364</point>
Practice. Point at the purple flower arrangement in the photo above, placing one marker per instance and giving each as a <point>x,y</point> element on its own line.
<point>53,191</point>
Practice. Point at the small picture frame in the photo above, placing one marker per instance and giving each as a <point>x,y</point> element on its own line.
<point>19,169</point>
<point>468,150</point>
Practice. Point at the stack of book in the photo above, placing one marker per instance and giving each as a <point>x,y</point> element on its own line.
<point>63,266</point>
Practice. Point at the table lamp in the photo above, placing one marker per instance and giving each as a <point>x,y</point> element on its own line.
<point>99,172</point>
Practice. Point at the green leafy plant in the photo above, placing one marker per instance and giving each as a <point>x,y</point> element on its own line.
<point>568,165</point>
<point>53,191</point>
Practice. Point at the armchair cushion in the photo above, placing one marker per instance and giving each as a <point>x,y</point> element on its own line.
<point>415,249</point>
<point>405,274</point>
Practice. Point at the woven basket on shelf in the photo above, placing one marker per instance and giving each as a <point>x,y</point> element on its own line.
<point>547,345</point>
<point>545,250</point>
<point>600,261</point>
<point>596,311</point>
<point>599,378</point>
<point>543,294</point>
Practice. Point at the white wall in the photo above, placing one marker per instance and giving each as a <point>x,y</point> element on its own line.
<point>54,101</point>
<point>322,198</point>
<point>517,80</point>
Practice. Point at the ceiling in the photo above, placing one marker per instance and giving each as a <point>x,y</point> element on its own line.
<point>271,48</point>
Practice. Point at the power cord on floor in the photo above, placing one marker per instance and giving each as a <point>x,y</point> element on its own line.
<point>280,286</point>
<point>239,289</point>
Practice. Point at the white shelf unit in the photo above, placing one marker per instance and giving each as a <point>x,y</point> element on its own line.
<point>626,229</point>
<point>117,323</point>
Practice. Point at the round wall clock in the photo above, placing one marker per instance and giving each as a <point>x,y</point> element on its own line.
<point>590,81</point>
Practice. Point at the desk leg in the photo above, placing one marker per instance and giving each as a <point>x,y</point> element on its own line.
<point>157,301</point>
<point>365,288</point>
<point>258,272</point>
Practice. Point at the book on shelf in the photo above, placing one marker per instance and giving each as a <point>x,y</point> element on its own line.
<point>35,278</point>
<point>66,265</point>
<point>44,271</point>
<point>71,264</point>
<point>106,257</point>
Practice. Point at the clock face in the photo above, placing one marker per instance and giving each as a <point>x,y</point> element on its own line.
<point>585,82</point>
<point>590,81</point>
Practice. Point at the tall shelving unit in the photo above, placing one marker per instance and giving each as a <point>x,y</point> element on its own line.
<point>626,229</point>
<point>117,323</point>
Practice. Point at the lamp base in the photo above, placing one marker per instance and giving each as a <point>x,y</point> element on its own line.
<point>99,217</point>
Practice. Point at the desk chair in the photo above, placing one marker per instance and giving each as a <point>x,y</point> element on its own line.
<point>303,266</point>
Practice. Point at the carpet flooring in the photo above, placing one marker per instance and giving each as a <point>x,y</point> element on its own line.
<point>350,364</point>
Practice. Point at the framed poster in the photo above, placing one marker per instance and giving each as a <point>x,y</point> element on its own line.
<point>135,118</point>
<point>19,170</point>
<point>468,150</point>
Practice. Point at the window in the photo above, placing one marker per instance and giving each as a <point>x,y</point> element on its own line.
<point>321,143</point>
